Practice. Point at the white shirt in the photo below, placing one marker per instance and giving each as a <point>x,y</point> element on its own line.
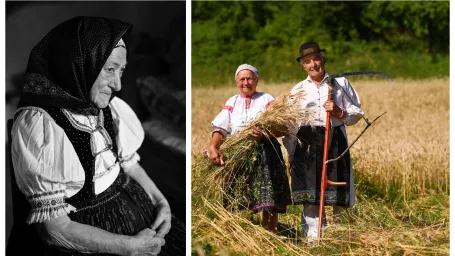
<point>46,165</point>
<point>344,96</point>
<point>235,116</point>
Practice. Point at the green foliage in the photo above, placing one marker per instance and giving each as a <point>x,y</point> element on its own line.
<point>206,248</point>
<point>403,39</point>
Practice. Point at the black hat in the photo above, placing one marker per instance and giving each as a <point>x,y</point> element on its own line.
<point>309,48</point>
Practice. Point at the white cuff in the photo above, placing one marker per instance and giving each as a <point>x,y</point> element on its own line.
<point>47,206</point>
<point>129,160</point>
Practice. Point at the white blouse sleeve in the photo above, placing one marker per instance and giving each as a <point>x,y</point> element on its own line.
<point>44,164</point>
<point>350,101</point>
<point>130,132</point>
<point>222,122</point>
<point>268,100</point>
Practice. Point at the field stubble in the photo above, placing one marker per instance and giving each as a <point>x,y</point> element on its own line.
<point>404,154</point>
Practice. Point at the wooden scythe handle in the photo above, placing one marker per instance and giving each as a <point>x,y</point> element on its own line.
<point>335,183</point>
<point>324,179</point>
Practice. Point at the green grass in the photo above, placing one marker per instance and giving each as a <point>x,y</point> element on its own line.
<point>280,66</point>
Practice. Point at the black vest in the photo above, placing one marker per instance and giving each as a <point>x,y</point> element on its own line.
<point>81,143</point>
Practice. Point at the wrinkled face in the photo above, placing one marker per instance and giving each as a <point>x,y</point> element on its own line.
<point>246,82</point>
<point>108,80</point>
<point>313,65</point>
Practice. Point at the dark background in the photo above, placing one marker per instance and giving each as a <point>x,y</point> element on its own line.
<point>157,58</point>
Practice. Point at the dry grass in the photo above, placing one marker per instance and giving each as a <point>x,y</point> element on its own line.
<point>410,144</point>
<point>405,153</point>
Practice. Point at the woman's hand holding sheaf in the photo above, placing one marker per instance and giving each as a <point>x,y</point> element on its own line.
<point>257,133</point>
<point>214,154</point>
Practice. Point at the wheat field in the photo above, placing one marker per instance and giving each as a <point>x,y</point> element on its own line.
<point>401,166</point>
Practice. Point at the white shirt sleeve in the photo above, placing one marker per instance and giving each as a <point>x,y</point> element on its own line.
<point>44,165</point>
<point>222,121</point>
<point>269,99</point>
<point>130,132</point>
<point>350,101</point>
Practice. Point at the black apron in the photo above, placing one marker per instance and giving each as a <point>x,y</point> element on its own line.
<point>307,167</point>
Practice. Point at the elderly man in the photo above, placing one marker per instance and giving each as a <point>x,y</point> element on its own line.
<point>307,157</point>
<point>269,188</point>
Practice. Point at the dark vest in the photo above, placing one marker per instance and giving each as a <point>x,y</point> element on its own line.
<point>81,143</point>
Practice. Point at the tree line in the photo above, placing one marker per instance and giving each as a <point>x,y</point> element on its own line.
<point>405,39</point>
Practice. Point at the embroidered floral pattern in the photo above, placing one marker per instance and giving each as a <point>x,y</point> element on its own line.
<point>46,205</point>
<point>99,128</point>
<point>311,196</point>
<point>80,126</point>
<point>50,193</point>
<point>38,84</point>
<point>265,186</point>
<point>46,200</point>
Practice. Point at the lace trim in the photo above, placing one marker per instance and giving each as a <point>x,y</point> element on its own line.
<point>38,84</point>
<point>85,128</point>
<point>99,174</point>
<point>45,194</point>
<point>107,141</point>
<point>47,205</point>
<point>46,199</point>
<point>80,126</point>
<point>129,160</point>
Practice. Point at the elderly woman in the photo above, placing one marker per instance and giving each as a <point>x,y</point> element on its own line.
<point>74,149</point>
<point>270,189</point>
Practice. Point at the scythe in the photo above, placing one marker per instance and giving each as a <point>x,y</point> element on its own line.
<point>324,179</point>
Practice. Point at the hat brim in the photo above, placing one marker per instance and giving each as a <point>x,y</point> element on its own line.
<point>299,58</point>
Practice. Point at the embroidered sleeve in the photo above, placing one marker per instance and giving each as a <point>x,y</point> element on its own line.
<point>223,132</point>
<point>47,205</point>
<point>130,131</point>
<point>222,121</point>
<point>45,168</point>
<point>129,160</point>
<point>269,100</point>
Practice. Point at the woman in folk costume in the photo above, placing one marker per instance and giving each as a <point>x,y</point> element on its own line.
<point>306,158</point>
<point>74,150</point>
<point>268,188</point>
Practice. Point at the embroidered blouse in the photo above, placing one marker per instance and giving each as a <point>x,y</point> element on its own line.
<point>235,115</point>
<point>344,96</point>
<point>46,165</point>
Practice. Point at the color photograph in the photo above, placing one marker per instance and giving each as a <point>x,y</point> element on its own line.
<point>320,128</point>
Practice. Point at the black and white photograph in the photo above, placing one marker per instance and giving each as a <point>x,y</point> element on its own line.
<point>223,127</point>
<point>95,115</point>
